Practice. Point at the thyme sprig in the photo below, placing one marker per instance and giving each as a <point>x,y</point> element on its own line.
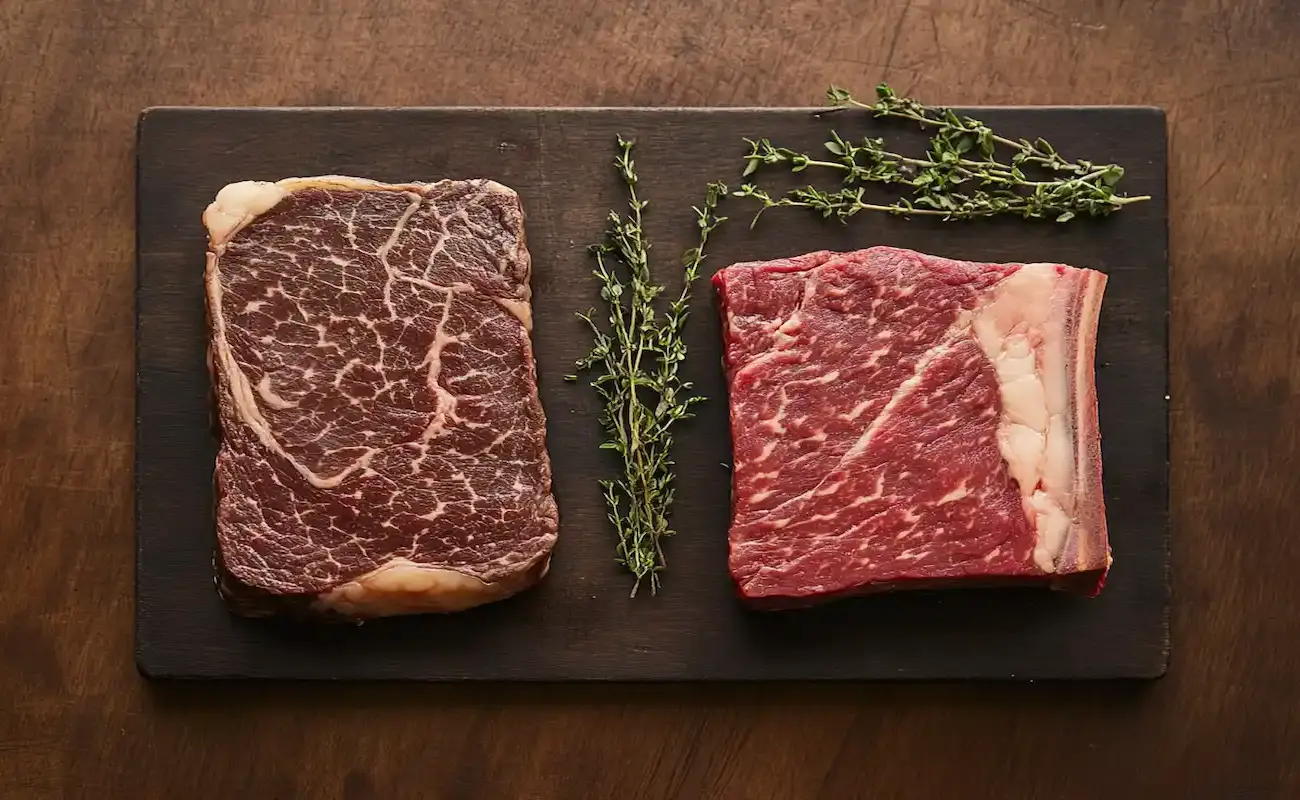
<point>959,177</point>
<point>637,356</point>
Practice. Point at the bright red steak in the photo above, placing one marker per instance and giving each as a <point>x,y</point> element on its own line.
<point>901,420</point>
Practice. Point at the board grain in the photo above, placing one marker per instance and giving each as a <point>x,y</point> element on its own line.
<point>579,624</point>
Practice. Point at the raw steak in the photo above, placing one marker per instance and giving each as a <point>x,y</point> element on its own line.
<point>383,448</point>
<point>901,420</point>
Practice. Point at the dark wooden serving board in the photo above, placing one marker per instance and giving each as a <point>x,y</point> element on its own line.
<point>580,624</point>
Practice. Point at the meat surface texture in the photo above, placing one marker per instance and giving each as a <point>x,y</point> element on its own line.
<point>901,420</point>
<point>383,447</point>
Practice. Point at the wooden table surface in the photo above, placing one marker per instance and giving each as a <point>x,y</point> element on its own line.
<point>76,720</point>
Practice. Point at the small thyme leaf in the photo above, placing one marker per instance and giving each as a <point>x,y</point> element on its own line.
<point>636,360</point>
<point>837,96</point>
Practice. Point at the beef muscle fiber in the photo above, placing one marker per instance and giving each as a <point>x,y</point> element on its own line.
<point>383,447</point>
<point>901,420</point>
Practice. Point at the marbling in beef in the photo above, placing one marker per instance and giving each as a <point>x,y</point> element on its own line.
<point>383,447</point>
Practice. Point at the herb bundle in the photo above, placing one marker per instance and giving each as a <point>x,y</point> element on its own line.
<point>959,177</point>
<point>637,358</point>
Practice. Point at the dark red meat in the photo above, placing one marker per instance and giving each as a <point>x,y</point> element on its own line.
<point>382,441</point>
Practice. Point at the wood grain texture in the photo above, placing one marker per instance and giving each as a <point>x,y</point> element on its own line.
<point>78,722</point>
<point>579,624</point>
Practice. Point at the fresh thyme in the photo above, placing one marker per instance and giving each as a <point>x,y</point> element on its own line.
<point>637,358</point>
<point>959,177</point>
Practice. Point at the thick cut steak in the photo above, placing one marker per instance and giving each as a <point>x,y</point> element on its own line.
<point>901,420</point>
<point>383,448</point>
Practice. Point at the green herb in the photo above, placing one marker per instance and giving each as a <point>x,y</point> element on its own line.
<point>958,178</point>
<point>637,357</point>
